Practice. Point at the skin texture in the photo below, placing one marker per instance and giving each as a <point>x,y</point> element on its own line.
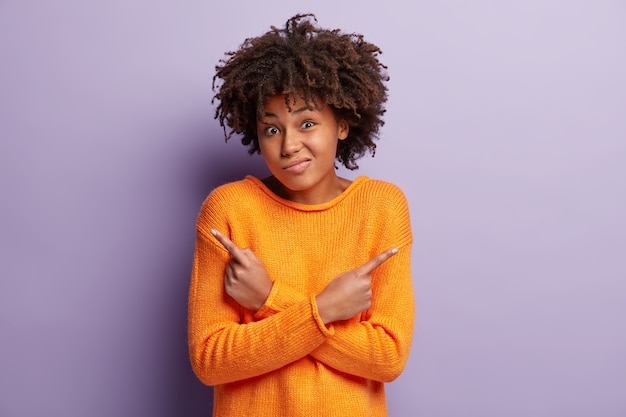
<point>347,295</point>
<point>299,145</point>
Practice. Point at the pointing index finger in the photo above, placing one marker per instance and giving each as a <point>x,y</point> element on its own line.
<point>377,260</point>
<point>233,249</point>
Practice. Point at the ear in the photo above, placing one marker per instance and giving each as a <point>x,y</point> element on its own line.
<point>343,128</point>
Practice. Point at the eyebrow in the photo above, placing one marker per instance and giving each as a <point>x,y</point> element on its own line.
<point>300,110</point>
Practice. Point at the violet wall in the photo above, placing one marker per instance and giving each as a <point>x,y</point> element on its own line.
<point>506,128</point>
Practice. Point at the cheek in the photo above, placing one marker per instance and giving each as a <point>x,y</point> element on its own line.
<point>267,151</point>
<point>262,147</point>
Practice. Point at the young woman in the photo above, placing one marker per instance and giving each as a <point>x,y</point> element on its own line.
<point>301,299</point>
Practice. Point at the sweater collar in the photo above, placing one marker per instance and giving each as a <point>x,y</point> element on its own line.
<point>308,207</point>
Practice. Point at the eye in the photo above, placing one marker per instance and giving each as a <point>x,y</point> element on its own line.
<point>271,130</point>
<point>308,124</point>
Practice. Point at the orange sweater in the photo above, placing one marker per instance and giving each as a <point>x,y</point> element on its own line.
<point>282,360</point>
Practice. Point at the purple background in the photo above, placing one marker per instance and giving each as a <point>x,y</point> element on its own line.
<point>506,129</point>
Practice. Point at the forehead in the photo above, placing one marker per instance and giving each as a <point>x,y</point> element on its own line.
<point>291,103</point>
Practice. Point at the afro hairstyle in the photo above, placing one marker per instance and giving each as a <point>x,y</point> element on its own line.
<point>338,69</point>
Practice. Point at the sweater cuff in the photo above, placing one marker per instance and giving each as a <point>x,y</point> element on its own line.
<point>327,330</point>
<point>280,298</point>
<point>267,308</point>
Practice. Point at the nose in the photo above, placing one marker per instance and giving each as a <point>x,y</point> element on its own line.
<point>291,143</point>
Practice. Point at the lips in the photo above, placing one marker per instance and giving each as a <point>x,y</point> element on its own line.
<point>298,166</point>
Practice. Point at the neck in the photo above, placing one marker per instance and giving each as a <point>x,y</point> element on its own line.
<point>308,197</point>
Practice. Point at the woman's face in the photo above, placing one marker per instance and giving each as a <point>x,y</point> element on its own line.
<point>299,147</point>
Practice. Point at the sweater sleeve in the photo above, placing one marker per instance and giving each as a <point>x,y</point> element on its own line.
<point>280,298</point>
<point>222,348</point>
<point>377,347</point>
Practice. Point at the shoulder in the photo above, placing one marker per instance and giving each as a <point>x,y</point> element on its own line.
<point>245,192</point>
<point>380,191</point>
<point>228,199</point>
<point>383,186</point>
<point>383,205</point>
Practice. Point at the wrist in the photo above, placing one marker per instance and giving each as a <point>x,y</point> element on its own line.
<point>266,293</point>
<point>324,309</point>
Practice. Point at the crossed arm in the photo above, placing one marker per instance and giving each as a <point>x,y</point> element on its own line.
<point>296,324</point>
<point>349,294</point>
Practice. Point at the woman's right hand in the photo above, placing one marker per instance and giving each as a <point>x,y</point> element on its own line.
<point>246,279</point>
<point>350,293</point>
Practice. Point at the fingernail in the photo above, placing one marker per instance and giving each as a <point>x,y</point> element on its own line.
<point>214,232</point>
<point>394,250</point>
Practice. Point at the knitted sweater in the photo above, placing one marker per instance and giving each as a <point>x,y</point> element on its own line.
<point>282,360</point>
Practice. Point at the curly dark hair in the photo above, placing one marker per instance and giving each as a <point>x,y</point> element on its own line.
<point>321,65</point>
